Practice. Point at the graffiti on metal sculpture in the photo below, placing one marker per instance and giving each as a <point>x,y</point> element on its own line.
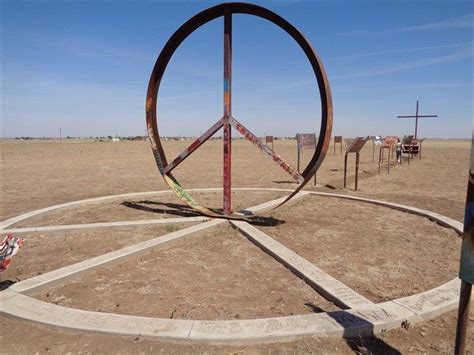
<point>227,121</point>
<point>466,271</point>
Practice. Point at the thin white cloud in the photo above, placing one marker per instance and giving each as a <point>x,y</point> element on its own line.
<point>401,50</point>
<point>407,66</point>
<point>414,86</point>
<point>458,22</point>
<point>452,23</point>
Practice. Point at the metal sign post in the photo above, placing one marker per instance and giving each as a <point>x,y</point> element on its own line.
<point>269,139</point>
<point>373,148</point>
<point>419,141</point>
<point>388,143</point>
<point>337,139</point>
<point>305,141</point>
<point>355,147</point>
<point>381,156</point>
<point>407,147</point>
<point>466,270</point>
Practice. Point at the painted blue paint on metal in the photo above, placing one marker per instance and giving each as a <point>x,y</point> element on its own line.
<point>226,85</point>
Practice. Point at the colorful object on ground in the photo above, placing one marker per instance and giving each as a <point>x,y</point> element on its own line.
<point>8,249</point>
<point>227,122</point>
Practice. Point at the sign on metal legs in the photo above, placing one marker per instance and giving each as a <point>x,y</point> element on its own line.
<point>354,147</point>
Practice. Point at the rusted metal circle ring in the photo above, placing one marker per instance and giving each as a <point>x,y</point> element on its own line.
<point>174,42</point>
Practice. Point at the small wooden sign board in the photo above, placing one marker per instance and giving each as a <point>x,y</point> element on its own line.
<point>337,139</point>
<point>407,140</point>
<point>390,140</point>
<point>269,139</point>
<point>356,145</point>
<point>306,140</point>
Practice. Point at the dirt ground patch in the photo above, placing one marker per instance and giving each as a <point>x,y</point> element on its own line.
<point>46,251</point>
<point>217,275</point>
<point>379,252</point>
<point>39,174</point>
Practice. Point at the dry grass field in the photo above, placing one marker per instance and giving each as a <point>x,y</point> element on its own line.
<point>381,253</point>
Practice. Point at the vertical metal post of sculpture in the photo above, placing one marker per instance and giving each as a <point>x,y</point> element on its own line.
<point>466,269</point>
<point>227,113</point>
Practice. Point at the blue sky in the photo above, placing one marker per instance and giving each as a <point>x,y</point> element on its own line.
<point>84,66</point>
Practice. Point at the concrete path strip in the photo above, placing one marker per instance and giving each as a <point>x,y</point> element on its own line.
<point>106,224</point>
<point>364,320</point>
<point>326,285</point>
<point>60,275</point>
<point>54,277</point>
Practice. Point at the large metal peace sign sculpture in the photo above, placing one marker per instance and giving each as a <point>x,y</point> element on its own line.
<point>227,121</point>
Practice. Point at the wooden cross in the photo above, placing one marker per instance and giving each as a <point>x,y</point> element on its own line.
<point>416,118</point>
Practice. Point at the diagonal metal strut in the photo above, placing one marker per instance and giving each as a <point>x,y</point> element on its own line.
<point>267,150</point>
<point>195,145</point>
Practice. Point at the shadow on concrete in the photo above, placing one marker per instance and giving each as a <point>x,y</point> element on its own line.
<point>367,344</point>
<point>167,208</point>
<point>6,284</point>
<point>265,221</point>
<point>314,308</point>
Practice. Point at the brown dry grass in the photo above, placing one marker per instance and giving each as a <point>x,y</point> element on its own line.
<point>219,275</point>
<point>40,174</point>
